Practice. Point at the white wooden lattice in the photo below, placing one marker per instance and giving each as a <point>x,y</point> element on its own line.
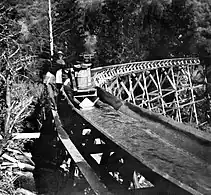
<point>163,86</point>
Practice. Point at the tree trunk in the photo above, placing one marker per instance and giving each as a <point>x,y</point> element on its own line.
<point>50,27</point>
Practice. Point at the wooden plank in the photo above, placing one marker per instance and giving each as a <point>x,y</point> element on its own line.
<point>138,112</point>
<point>145,89</point>
<point>192,96</point>
<point>131,89</point>
<point>152,150</point>
<point>26,135</point>
<point>86,170</point>
<point>160,92</point>
<point>137,138</point>
<point>126,90</point>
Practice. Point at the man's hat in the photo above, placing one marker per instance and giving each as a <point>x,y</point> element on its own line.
<point>60,52</point>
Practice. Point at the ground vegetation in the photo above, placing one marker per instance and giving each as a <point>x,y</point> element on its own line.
<point>116,31</point>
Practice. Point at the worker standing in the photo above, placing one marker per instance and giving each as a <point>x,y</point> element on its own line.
<point>59,73</point>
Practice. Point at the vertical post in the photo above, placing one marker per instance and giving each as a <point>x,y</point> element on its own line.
<point>160,92</point>
<point>145,88</point>
<point>118,88</point>
<point>192,95</point>
<point>50,28</point>
<point>179,119</point>
<point>131,90</point>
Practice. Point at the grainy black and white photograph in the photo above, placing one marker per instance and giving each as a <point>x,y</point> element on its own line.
<point>105,97</point>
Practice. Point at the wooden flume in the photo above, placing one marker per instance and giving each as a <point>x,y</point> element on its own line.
<point>164,86</point>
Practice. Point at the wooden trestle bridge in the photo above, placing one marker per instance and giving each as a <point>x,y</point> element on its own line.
<point>133,140</point>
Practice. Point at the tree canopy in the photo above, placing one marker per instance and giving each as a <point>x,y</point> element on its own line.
<point>116,31</point>
<point>123,30</point>
<point>131,30</point>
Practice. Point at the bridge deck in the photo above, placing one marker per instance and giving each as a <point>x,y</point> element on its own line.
<point>139,139</point>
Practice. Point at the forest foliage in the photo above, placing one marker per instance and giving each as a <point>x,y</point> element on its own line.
<point>18,71</point>
<point>117,31</point>
<point>132,30</point>
<point>125,30</point>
